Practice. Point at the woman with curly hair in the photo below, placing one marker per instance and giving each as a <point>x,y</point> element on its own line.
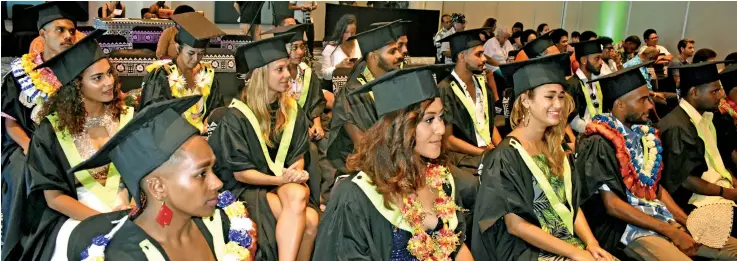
<point>531,207</point>
<point>403,203</point>
<point>186,75</point>
<point>84,113</point>
<point>261,145</point>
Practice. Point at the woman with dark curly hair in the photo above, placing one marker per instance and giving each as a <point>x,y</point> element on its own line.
<point>82,116</point>
<point>402,205</point>
<point>186,75</point>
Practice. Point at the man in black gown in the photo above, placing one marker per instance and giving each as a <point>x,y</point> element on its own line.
<point>636,220</point>
<point>355,113</point>
<point>725,122</point>
<point>694,171</point>
<point>22,101</point>
<point>586,94</point>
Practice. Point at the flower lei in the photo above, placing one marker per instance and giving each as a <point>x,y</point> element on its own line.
<point>441,244</point>
<point>43,79</point>
<point>641,178</point>
<point>203,80</point>
<point>728,106</point>
<point>241,234</point>
<point>299,79</point>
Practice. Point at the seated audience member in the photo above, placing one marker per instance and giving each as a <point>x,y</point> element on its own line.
<point>586,93</point>
<point>445,30</point>
<point>686,50</point>
<point>339,52</point>
<point>518,27</point>
<point>113,9</point>
<point>725,121</point>
<point>526,37</point>
<point>490,25</point>
<point>156,10</point>
<point>660,68</point>
<point>167,47</point>
<point>575,37</point>
<point>530,209</point>
<point>627,49</point>
<point>542,28</point>
<point>610,60</point>
<point>459,25</point>
<point>497,51</point>
<point>704,55</point>
<point>588,36</point>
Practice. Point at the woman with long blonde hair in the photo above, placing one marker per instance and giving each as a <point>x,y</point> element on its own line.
<point>530,209</point>
<point>260,146</point>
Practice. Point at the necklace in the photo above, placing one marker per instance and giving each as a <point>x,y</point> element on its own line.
<point>83,142</point>
<point>441,244</point>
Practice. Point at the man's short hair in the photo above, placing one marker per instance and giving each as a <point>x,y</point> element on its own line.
<point>575,34</point>
<point>647,34</point>
<point>183,9</point>
<point>683,43</point>
<point>587,35</point>
<point>518,25</point>
<point>557,34</point>
<point>703,55</point>
<point>444,16</point>
<point>730,57</point>
<point>633,39</point>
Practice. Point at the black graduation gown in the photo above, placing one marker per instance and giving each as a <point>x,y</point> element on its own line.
<point>156,88</point>
<point>124,245</point>
<point>357,109</point>
<point>13,162</point>
<point>315,102</point>
<point>683,155</point>
<point>726,138</point>
<point>237,148</point>
<point>597,165</point>
<point>506,187</point>
<point>352,228</point>
<point>573,87</point>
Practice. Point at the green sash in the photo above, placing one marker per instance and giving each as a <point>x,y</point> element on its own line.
<point>565,213</point>
<point>305,84</point>
<point>369,77</point>
<point>711,150</point>
<point>484,131</point>
<point>150,251</point>
<point>276,165</point>
<point>108,193</point>
<point>394,215</point>
<point>593,111</point>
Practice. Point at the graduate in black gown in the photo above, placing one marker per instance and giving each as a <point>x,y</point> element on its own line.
<point>354,114</point>
<point>403,192</point>
<point>725,122</point>
<point>261,145</point>
<point>619,156</point>
<point>168,168</point>
<point>694,171</point>
<point>586,94</point>
<point>84,113</point>
<point>186,75</point>
<point>24,90</point>
<point>531,208</point>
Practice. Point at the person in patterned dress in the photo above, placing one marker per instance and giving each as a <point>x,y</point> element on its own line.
<point>531,207</point>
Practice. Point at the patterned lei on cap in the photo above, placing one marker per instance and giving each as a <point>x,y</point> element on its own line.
<point>640,176</point>
<point>441,244</point>
<point>728,106</point>
<point>241,234</point>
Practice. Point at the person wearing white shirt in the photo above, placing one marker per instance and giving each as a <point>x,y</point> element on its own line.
<point>339,52</point>
<point>495,52</point>
<point>651,39</point>
<point>445,30</point>
<point>611,62</point>
<point>587,95</point>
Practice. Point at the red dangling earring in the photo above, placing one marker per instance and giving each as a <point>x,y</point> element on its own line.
<point>165,215</point>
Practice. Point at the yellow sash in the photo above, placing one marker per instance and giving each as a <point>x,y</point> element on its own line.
<point>107,193</point>
<point>276,165</point>
<point>592,111</point>
<point>370,77</point>
<point>565,213</point>
<point>394,215</point>
<point>214,224</point>
<point>305,84</point>
<point>484,131</point>
<point>712,151</point>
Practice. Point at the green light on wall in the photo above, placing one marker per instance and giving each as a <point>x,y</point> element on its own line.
<point>613,19</point>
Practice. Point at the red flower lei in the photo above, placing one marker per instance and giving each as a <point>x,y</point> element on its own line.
<point>626,169</point>
<point>728,106</point>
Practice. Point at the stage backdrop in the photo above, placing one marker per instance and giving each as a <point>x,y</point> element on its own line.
<point>422,29</point>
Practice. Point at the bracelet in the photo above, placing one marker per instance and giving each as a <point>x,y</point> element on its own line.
<point>721,191</point>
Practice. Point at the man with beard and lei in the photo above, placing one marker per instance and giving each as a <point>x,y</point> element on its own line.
<point>694,172</point>
<point>403,204</point>
<point>530,208</point>
<point>725,122</point>
<point>24,91</point>
<point>167,166</point>
<point>469,112</point>
<point>620,160</point>
<point>353,114</point>
<point>186,75</point>
<point>262,149</point>
<point>79,119</point>
<point>586,94</point>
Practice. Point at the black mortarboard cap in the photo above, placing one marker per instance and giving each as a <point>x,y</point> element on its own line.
<point>375,39</point>
<point>619,83</point>
<point>728,77</point>
<point>529,74</point>
<point>297,29</point>
<point>146,142</point>
<point>260,53</point>
<point>71,62</point>
<point>697,74</point>
<point>50,11</point>
<point>461,41</point>
<point>195,30</point>
<point>399,27</point>
<point>586,48</point>
<point>399,89</point>
<point>537,47</point>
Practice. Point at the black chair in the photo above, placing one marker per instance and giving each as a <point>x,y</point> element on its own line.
<point>24,29</point>
<point>144,11</point>
<point>112,38</point>
<point>99,12</point>
<point>130,65</point>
